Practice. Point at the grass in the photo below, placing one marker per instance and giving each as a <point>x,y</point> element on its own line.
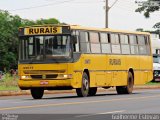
<point>10,88</point>
<point>9,82</point>
<point>153,83</point>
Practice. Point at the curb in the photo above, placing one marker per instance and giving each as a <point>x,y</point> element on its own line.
<point>27,92</point>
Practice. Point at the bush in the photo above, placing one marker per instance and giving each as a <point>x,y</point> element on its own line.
<point>9,80</point>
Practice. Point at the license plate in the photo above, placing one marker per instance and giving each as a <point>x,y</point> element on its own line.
<point>44,82</point>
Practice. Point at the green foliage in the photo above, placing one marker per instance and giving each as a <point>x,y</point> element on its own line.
<point>9,37</point>
<point>47,21</point>
<point>147,9</point>
<point>9,82</point>
<point>157,25</point>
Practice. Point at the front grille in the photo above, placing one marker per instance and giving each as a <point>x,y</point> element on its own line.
<point>51,76</point>
<point>36,76</point>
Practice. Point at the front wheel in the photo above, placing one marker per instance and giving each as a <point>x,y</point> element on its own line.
<point>37,93</point>
<point>84,90</point>
<point>129,87</point>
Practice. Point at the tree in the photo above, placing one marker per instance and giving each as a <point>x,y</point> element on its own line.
<point>148,7</point>
<point>8,39</point>
<point>9,36</point>
<point>47,21</point>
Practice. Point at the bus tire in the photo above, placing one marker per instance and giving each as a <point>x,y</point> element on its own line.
<point>128,88</point>
<point>92,91</point>
<point>37,93</point>
<point>120,89</point>
<point>130,83</point>
<point>84,90</point>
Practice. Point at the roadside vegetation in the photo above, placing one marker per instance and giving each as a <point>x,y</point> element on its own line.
<point>9,82</point>
<point>9,25</point>
<point>153,83</point>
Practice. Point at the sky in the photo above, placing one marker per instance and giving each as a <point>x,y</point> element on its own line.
<point>89,13</point>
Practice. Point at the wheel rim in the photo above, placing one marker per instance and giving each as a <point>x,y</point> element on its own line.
<point>85,84</point>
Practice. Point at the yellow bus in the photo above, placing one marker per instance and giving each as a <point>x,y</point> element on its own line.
<point>64,57</point>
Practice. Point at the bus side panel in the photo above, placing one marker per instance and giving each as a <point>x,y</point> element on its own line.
<point>143,69</point>
<point>134,64</point>
<point>96,65</point>
<point>117,65</point>
<point>149,68</point>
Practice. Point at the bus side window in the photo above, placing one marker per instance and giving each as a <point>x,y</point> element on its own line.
<point>147,40</point>
<point>124,44</point>
<point>76,46</point>
<point>142,45</point>
<point>133,44</point>
<point>116,49</point>
<point>84,42</point>
<point>105,43</point>
<point>95,43</point>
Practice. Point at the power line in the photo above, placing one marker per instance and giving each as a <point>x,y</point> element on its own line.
<point>51,4</point>
<point>113,4</point>
<point>45,5</point>
<point>126,7</point>
<point>87,2</point>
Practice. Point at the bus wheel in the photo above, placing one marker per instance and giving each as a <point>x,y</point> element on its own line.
<point>128,88</point>
<point>130,83</point>
<point>84,90</point>
<point>92,91</point>
<point>37,93</point>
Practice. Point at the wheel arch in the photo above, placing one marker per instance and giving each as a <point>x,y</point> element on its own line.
<point>87,71</point>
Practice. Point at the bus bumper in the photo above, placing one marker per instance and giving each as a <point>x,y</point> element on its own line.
<point>28,84</point>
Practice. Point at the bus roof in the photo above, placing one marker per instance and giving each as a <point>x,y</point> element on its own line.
<point>107,30</point>
<point>46,25</point>
<point>78,27</point>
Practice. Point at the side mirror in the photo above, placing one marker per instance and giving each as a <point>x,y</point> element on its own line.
<point>74,39</point>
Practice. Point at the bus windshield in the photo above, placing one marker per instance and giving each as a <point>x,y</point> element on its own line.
<point>44,47</point>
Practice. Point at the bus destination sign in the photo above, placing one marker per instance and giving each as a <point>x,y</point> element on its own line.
<point>42,30</point>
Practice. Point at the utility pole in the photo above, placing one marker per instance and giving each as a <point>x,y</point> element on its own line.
<point>107,8</point>
<point>106,12</point>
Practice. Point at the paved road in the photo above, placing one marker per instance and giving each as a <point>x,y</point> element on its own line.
<point>141,101</point>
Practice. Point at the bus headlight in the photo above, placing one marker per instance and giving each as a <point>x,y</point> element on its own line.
<point>25,77</point>
<point>65,76</point>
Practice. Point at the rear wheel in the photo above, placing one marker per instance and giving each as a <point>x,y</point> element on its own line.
<point>84,90</point>
<point>92,91</point>
<point>128,88</point>
<point>37,93</point>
